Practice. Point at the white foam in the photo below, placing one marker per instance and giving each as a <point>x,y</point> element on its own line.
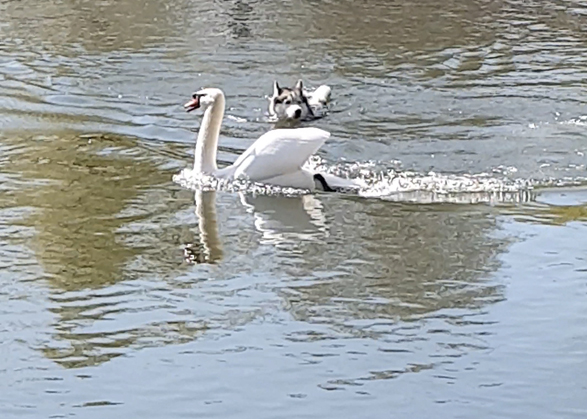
<point>580,121</point>
<point>387,184</point>
<point>188,179</point>
<point>390,184</point>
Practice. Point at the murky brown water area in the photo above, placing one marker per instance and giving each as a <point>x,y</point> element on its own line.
<point>123,294</point>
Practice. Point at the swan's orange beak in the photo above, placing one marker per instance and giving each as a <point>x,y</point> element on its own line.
<point>192,104</point>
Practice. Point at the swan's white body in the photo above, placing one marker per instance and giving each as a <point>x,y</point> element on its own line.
<point>276,158</point>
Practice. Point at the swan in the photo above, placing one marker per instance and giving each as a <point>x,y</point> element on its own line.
<point>276,158</point>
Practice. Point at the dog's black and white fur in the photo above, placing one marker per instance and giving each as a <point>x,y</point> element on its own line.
<point>287,104</point>
<point>293,105</point>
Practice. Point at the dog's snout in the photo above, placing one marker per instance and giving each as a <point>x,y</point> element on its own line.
<point>294,112</point>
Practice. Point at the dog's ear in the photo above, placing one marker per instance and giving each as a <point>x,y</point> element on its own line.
<point>276,89</point>
<point>299,85</point>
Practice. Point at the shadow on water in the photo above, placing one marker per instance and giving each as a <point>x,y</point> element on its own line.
<point>109,225</point>
<point>100,210</point>
<point>239,17</point>
<point>420,260</point>
<point>556,206</point>
<point>310,292</point>
<point>111,26</point>
<point>87,185</point>
<point>410,275</point>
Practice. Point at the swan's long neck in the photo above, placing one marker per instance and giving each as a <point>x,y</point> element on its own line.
<point>207,142</point>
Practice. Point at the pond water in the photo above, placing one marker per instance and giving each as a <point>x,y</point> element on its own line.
<point>456,286</point>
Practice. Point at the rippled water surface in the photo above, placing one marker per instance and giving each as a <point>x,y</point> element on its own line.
<point>454,286</point>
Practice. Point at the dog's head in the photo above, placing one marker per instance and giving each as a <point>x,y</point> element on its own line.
<point>289,104</point>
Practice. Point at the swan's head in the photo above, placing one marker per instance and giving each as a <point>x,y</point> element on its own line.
<point>203,99</point>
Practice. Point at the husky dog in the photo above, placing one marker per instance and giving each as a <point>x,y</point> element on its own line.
<point>296,104</point>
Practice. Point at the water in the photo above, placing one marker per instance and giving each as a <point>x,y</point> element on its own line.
<point>454,286</point>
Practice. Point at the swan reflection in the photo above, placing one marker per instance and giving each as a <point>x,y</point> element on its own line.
<point>286,219</point>
<point>280,220</point>
<point>209,250</point>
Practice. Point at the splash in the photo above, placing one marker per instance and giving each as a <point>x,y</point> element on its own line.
<point>406,186</point>
<point>379,182</point>
<point>580,121</point>
<point>189,179</point>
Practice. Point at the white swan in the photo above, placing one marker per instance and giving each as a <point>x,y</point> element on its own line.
<point>276,158</point>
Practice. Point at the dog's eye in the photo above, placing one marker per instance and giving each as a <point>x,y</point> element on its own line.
<point>288,102</point>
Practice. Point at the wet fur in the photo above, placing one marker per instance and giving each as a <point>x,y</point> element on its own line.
<point>293,104</point>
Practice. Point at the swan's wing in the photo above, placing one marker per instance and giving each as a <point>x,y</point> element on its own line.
<point>299,179</point>
<point>279,152</point>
